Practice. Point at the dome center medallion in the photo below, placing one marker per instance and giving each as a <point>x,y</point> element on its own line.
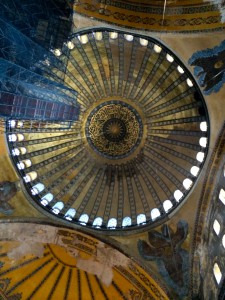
<point>114,129</point>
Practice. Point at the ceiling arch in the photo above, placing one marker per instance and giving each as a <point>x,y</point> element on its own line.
<point>58,263</point>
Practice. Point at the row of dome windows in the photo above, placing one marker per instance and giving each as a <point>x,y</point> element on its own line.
<point>112,223</point>
<point>19,137</point>
<point>45,200</point>
<point>27,163</point>
<point>217,228</point>
<point>141,218</point>
<point>20,124</point>
<point>114,35</point>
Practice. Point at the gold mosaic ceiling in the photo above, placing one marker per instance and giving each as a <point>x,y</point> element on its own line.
<point>139,144</point>
<point>173,16</point>
<point>45,262</point>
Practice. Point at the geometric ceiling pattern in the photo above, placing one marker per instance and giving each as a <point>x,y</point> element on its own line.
<point>140,141</point>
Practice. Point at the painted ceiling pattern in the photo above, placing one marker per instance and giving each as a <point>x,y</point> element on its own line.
<point>87,177</point>
<point>73,266</point>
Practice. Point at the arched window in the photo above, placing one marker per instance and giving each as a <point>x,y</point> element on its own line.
<point>12,137</point>
<point>189,82</point>
<point>19,151</point>
<point>222,196</point>
<point>167,205</point>
<point>216,227</point>
<point>157,48</point>
<point>57,52</point>
<point>129,37</point>
<point>194,170</point>
<point>141,219</point>
<point>12,123</point>
<point>178,195</point>
<point>83,219</point>
<point>203,142</point>
<point>24,164</point>
<point>126,222</point>
<point>200,156</point>
<point>203,126</point>
<point>83,39</point>
<point>143,42</point>
<point>46,199</point>
<point>30,176</point>
<point>217,273</point>
<point>36,189</point>
<point>57,207</point>
<point>98,36</point>
<point>69,215</point>
<point>112,223</point>
<point>180,70</point>
<point>97,222</point>
<point>155,213</point>
<point>169,58</point>
<point>113,35</point>
<point>19,124</point>
<point>187,183</point>
<point>15,137</point>
<point>70,45</point>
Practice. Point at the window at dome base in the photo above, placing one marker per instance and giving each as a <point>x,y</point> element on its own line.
<point>126,221</point>
<point>155,213</point>
<point>216,227</point>
<point>83,219</point>
<point>222,196</point>
<point>69,215</point>
<point>141,219</point>
<point>120,142</point>
<point>112,223</point>
<point>217,273</point>
<point>57,207</point>
<point>46,199</point>
<point>167,205</point>
<point>97,222</point>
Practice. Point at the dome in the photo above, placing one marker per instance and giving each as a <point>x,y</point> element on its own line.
<point>142,132</point>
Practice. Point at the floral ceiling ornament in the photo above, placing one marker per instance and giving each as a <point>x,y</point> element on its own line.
<point>209,67</point>
<point>165,249</point>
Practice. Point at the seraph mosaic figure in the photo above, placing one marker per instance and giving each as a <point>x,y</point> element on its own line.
<point>7,191</point>
<point>165,249</point>
<point>210,68</point>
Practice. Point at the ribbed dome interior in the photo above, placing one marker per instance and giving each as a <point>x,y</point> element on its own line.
<point>86,186</point>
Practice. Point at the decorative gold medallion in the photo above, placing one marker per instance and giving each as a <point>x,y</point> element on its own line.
<point>114,129</point>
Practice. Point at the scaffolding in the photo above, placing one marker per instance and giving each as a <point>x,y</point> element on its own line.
<point>31,75</point>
